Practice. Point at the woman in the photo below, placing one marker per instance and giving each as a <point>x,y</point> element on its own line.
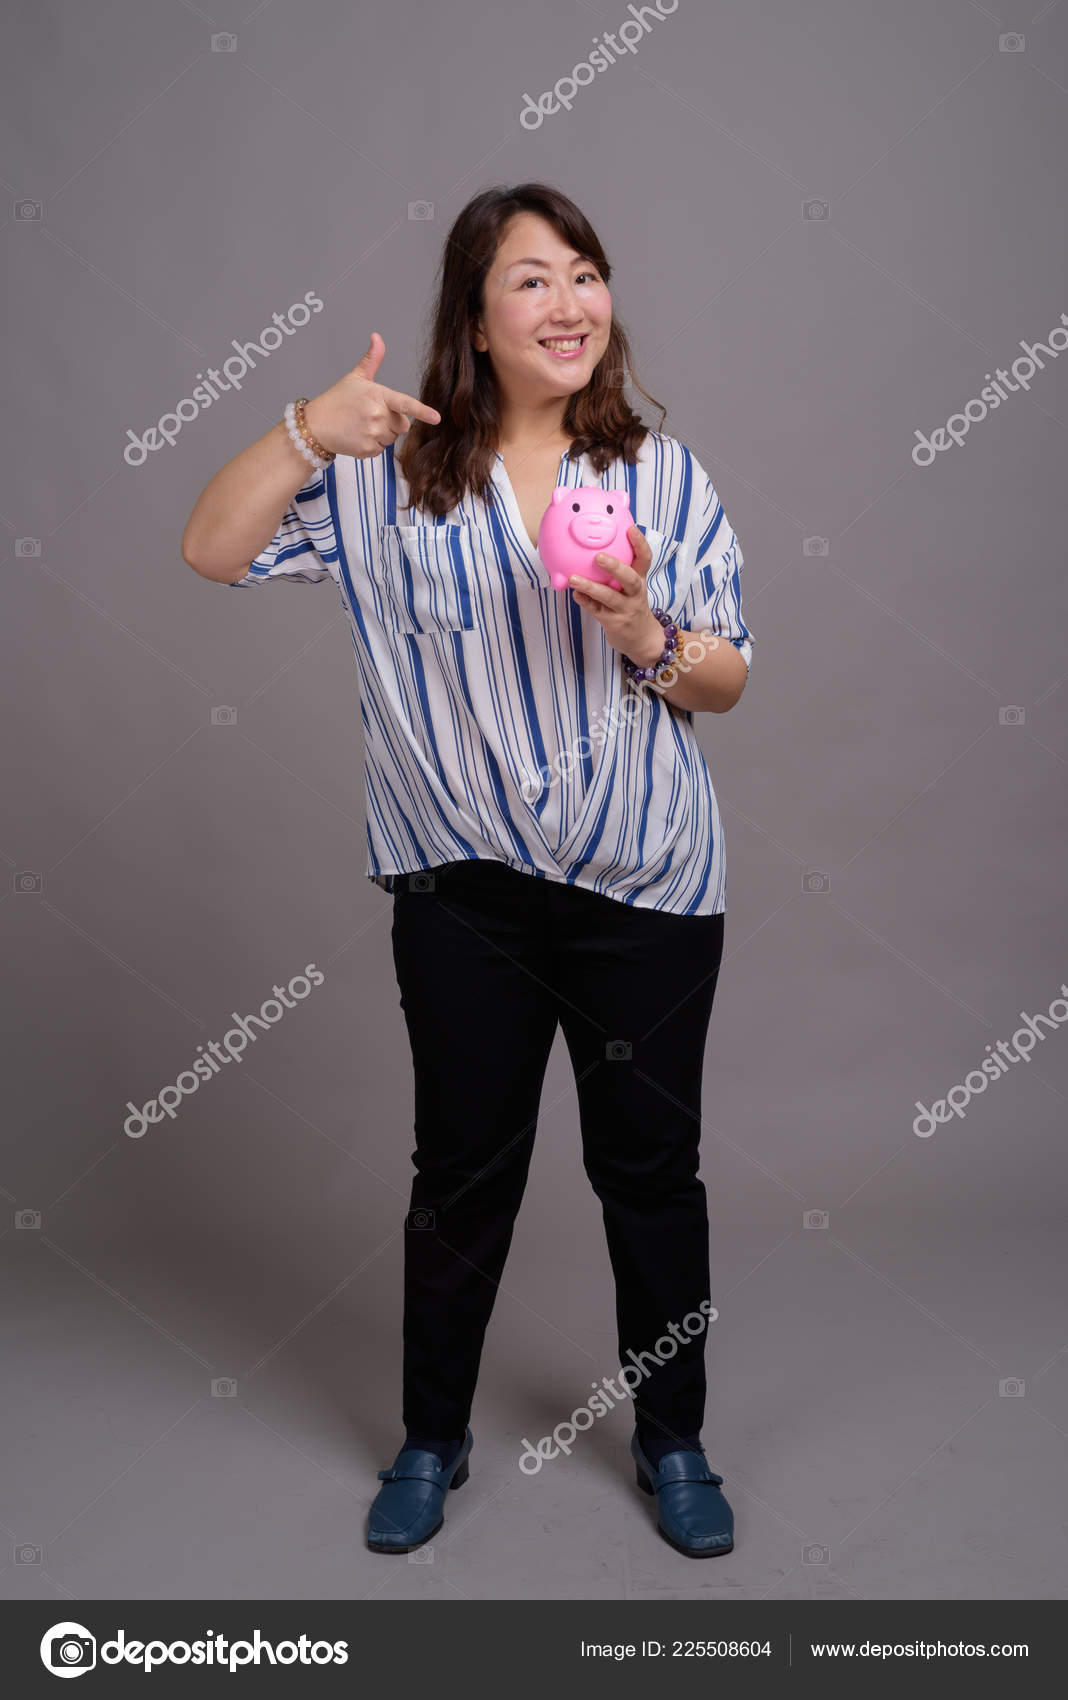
<point>538,806</point>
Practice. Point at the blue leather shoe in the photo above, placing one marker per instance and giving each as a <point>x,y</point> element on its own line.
<point>408,1509</point>
<point>694,1517</point>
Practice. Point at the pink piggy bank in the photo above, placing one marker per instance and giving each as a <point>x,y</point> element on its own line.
<point>577,525</point>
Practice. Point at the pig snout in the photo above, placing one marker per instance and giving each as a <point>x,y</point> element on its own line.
<point>592,531</point>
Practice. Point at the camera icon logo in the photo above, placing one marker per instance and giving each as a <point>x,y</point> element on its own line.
<point>224,715</point>
<point>26,882</point>
<point>224,1387</point>
<point>618,1050</point>
<point>420,1221</point>
<point>1011,1388</point>
<point>224,43</point>
<point>422,882</point>
<point>815,209</point>
<point>28,1555</point>
<point>815,1219</point>
<point>28,1220</point>
<point>27,546</point>
<point>815,1555</point>
<point>68,1649</point>
<point>1012,715</point>
<point>1011,43</point>
<point>815,546</point>
<point>27,209</point>
<point>420,209</point>
<point>421,1555</point>
<point>815,881</point>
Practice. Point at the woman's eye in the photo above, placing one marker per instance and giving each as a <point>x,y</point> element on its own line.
<point>591,275</point>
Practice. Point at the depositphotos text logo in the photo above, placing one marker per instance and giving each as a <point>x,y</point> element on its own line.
<point>624,40</point>
<point>233,1043</point>
<point>234,367</point>
<point>69,1649</point>
<point>1023,369</point>
<point>630,706</point>
<point>605,1391</point>
<point>991,1068</point>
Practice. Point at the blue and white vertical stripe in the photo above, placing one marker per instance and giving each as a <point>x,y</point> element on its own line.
<point>498,722</point>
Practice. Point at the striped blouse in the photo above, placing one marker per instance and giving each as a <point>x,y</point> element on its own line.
<point>498,721</point>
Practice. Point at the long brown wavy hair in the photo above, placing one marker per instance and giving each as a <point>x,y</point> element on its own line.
<point>440,463</point>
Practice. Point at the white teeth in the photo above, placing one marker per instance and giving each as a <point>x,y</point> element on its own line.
<point>564,345</point>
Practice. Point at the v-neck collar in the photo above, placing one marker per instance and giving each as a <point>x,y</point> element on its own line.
<point>500,472</point>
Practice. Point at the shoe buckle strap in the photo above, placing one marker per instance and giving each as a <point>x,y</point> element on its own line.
<point>679,1468</point>
<point>410,1475</point>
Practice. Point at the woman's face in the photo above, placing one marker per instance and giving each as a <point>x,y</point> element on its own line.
<point>538,290</point>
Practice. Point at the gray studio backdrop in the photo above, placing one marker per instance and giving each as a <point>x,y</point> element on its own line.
<point>832,225</point>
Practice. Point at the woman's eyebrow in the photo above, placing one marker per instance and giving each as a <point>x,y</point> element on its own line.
<point>580,259</point>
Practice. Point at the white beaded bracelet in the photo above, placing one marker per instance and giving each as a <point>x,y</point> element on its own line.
<point>298,441</point>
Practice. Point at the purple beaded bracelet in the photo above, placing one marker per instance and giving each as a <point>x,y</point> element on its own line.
<point>669,657</point>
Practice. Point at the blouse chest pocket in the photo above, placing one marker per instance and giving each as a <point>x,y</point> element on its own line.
<point>667,581</point>
<point>424,574</point>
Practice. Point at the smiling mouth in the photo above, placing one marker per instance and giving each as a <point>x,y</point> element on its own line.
<point>565,344</point>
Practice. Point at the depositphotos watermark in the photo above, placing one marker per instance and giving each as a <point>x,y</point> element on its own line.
<point>693,650</point>
<point>229,1049</point>
<point>564,1434</point>
<point>958,425</point>
<point>605,48</point>
<point>1024,1038</point>
<point>234,366</point>
<point>69,1650</point>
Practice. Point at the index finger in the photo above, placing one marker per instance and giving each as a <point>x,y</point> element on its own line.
<point>408,404</point>
<point>628,577</point>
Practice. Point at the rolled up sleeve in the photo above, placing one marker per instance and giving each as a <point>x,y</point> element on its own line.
<point>713,600</point>
<point>304,549</point>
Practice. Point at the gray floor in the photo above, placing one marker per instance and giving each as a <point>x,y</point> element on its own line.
<point>854,1376</point>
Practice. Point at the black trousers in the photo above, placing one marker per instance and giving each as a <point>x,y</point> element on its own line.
<point>489,959</point>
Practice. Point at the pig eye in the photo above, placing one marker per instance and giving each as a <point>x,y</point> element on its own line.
<point>576,507</point>
<point>611,509</point>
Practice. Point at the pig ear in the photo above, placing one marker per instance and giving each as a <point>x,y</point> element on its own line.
<point>621,496</point>
<point>558,493</point>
